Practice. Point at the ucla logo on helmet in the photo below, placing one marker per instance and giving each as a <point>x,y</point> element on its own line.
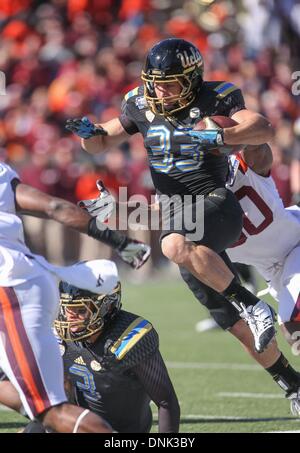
<point>191,59</point>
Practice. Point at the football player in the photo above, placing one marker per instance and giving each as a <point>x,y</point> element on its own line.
<point>277,261</point>
<point>112,363</point>
<point>270,241</point>
<point>172,99</point>
<point>29,353</point>
<point>263,242</point>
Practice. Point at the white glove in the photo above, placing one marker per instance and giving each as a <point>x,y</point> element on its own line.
<point>102,206</point>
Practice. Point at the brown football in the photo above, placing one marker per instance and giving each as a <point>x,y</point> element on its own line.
<point>215,122</point>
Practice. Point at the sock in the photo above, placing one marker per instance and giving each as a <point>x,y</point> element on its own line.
<point>284,375</point>
<point>114,239</point>
<point>237,294</point>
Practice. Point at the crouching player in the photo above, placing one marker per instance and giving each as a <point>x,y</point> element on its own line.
<point>112,364</point>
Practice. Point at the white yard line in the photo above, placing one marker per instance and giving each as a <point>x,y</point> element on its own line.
<point>282,432</point>
<point>211,417</point>
<point>196,418</point>
<point>199,417</point>
<point>214,366</point>
<point>250,395</point>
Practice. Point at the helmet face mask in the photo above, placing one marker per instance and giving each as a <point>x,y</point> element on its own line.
<point>169,61</point>
<point>90,312</point>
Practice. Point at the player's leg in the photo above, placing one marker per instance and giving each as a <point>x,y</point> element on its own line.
<point>62,418</point>
<point>197,258</point>
<point>222,217</point>
<point>68,418</point>
<point>201,259</point>
<point>9,397</point>
<point>291,332</point>
<point>247,275</point>
<point>272,360</point>
<point>242,332</point>
<point>224,314</point>
<point>34,427</point>
<point>281,371</point>
<point>222,227</point>
<point>288,296</point>
<point>289,313</point>
<point>30,357</point>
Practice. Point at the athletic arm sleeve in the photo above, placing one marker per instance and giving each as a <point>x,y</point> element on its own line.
<point>127,118</point>
<point>153,375</point>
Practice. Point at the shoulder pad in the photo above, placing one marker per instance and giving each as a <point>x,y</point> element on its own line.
<point>136,343</point>
<point>131,93</point>
<point>224,88</point>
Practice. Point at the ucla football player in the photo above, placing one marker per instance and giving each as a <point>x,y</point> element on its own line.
<point>112,363</point>
<point>173,97</point>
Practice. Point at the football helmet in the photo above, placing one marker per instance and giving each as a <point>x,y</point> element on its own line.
<point>172,60</point>
<point>96,309</point>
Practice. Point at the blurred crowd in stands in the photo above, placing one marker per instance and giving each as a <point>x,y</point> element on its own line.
<point>68,58</point>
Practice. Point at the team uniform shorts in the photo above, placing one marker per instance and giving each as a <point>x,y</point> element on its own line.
<point>285,288</point>
<point>222,217</point>
<point>29,352</point>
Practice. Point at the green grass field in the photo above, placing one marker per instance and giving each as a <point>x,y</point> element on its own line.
<point>219,387</point>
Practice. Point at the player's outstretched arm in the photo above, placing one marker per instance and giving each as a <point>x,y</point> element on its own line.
<point>253,129</point>
<point>96,138</point>
<point>36,203</point>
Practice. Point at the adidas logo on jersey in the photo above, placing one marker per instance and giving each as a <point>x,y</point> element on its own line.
<point>80,361</point>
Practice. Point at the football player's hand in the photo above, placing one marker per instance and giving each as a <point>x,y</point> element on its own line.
<point>102,206</point>
<point>84,128</point>
<point>208,138</point>
<point>134,253</point>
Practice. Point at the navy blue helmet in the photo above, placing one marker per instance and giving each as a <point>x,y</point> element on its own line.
<point>172,60</point>
<point>95,310</point>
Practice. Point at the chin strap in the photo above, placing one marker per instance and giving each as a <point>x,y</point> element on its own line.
<point>79,419</point>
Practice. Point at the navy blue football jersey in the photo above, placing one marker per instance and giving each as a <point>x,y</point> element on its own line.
<point>102,373</point>
<point>177,164</point>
